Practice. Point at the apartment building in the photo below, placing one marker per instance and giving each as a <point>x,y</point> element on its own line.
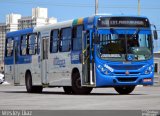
<point>15,22</point>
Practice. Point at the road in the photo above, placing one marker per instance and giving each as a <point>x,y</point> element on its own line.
<point>16,98</point>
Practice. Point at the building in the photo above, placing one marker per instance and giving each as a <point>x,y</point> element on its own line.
<point>12,22</point>
<point>157,68</point>
<point>2,42</point>
<point>17,22</point>
<point>39,18</point>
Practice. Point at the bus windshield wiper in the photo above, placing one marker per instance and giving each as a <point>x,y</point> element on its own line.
<point>135,33</point>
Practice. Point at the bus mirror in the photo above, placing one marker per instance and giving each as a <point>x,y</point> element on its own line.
<point>96,39</point>
<point>155,34</point>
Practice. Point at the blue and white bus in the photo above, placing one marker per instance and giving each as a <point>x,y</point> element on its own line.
<point>82,54</point>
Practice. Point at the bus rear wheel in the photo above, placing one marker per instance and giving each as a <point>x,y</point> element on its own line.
<point>67,89</point>
<point>76,85</point>
<point>30,88</point>
<point>124,89</point>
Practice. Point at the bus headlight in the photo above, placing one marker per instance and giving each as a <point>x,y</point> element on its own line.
<point>104,69</point>
<point>149,70</point>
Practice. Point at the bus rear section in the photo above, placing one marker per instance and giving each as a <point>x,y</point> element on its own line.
<point>16,61</point>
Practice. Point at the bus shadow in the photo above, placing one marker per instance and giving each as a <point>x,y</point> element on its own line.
<point>62,93</point>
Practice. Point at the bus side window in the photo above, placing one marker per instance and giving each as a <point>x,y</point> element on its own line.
<point>23,49</point>
<point>65,40</point>
<point>77,38</point>
<point>9,47</point>
<point>54,39</point>
<point>32,44</point>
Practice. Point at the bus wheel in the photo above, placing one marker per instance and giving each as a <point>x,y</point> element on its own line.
<point>76,85</point>
<point>67,89</point>
<point>124,89</point>
<point>37,89</point>
<point>30,88</point>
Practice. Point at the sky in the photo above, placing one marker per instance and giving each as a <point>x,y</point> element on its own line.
<point>70,9</point>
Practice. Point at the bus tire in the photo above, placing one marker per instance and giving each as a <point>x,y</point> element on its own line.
<point>37,89</point>
<point>30,88</point>
<point>124,89</point>
<point>67,89</point>
<point>76,85</point>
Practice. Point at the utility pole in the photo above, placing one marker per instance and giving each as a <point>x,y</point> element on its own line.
<point>139,7</point>
<point>96,7</point>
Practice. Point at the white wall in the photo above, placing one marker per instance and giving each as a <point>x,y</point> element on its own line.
<point>40,12</point>
<point>12,18</point>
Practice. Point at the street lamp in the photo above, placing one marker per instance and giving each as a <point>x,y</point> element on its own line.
<point>96,7</point>
<point>139,7</point>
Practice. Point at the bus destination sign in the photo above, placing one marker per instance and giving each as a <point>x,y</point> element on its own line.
<point>123,22</point>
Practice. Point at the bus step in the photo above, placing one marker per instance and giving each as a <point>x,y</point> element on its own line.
<point>88,85</point>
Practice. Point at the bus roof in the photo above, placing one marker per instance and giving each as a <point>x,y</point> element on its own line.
<point>54,26</point>
<point>16,33</point>
<point>68,23</point>
<point>80,21</point>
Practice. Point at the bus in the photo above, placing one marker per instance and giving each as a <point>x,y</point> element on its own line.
<point>82,54</point>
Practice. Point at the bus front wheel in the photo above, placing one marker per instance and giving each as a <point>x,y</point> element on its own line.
<point>124,89</point>
<point>30,88</point>
<point>76,85</point>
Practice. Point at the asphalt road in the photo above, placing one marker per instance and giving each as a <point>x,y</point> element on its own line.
<point>16,98</point>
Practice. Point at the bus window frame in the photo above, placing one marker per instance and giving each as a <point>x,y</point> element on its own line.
<point>6,51</point>
<point>61,40</point>
<point>74,37</point>
<point>21,36</point>
<point>38,42</point>
<point>53,40</point>
<point>35,44</point>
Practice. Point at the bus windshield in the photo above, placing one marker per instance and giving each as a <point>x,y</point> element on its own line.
<point>115,47</point>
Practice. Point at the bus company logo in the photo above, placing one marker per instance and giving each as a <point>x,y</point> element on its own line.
<point>60,63</point>
<point>127,72</point>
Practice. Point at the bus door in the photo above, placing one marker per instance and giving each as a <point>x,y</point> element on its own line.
<point>15,62</point>
<point>87,70</point>
<point>44,60</point>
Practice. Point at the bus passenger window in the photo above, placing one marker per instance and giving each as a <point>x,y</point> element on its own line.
<point>54,41</point>
<point>77,38</point>
<point>23,50</point>
<point>32,44</point>
<point>9,46</point>
<point>65,43</point>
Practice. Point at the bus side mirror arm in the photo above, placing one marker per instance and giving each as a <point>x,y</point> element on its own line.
<point>155,34</point>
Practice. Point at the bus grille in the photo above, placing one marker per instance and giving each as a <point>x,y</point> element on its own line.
<point>132,79</point>
<point>127,67</point>
<point>124,73</point>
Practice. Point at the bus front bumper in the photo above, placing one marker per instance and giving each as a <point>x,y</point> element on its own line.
<point>103,80</point>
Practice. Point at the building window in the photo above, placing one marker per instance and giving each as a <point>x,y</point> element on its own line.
<point>77,38</point>
<point>23,50</point>
<point>156,67</point>
<point>54,41</point>
<point>9,46</point>
<point>65,40</point>
<point>32,44</point>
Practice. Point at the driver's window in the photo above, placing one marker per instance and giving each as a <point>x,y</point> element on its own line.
<point>142,40</point>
